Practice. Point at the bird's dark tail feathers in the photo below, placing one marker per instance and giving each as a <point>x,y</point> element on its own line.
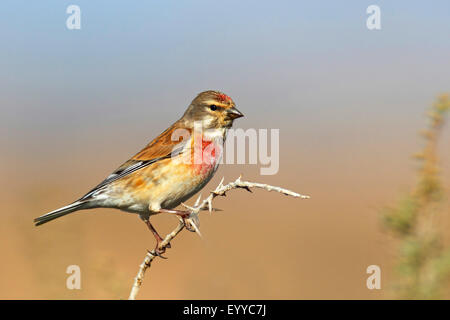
<point>77,205</point>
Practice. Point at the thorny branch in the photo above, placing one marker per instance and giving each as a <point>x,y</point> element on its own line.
<point>194,221</point>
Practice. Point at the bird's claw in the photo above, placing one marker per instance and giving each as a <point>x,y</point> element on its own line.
<point>157,252</point>
<point>188,225</point>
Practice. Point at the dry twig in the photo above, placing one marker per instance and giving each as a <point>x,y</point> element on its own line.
<point>193,220</point>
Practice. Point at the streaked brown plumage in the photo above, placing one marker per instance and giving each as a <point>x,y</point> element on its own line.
<point>165,172</point>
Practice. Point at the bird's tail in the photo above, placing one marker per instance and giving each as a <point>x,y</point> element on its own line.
<point>77,205</point>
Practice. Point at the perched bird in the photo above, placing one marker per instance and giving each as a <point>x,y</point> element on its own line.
<point>169,170</point>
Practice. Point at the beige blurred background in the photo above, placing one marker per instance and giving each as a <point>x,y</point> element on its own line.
<point>349,103</point>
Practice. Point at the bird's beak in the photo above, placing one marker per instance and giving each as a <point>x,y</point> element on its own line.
<point>234,113</point>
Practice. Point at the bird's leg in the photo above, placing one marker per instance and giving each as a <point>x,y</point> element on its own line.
<point>183,214</point>
<point>158,250</point>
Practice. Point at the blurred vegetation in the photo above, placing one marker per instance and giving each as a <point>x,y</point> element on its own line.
<point>423,266</point>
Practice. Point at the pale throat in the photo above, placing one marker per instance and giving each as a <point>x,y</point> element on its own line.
<point>217,134</point>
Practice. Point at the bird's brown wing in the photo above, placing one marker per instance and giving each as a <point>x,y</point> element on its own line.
<point>164,144</point>
<point>168,144</point>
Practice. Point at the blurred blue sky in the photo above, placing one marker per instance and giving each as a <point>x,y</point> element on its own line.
<point>287,64</point>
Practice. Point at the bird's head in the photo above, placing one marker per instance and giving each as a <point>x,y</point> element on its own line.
<point>213,109</point>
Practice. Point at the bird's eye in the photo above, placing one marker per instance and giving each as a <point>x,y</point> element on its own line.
<point>213,107</point>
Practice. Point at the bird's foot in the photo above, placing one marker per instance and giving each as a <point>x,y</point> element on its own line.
<point>188,225</point>
<point>158,251</point>
<point>185,215</point>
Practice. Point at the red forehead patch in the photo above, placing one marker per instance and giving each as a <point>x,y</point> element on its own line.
<point>223,97</point>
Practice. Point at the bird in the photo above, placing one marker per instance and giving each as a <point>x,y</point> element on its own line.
<point>167,171</point>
